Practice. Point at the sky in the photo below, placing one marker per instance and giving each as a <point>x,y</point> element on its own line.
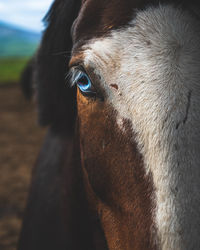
<point>24,13</point>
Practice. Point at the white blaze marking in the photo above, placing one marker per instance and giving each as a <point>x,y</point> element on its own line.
<point>156,64</point>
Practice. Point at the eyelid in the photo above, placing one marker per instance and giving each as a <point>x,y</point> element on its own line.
<point>74,74</point>
<point>95,80</point>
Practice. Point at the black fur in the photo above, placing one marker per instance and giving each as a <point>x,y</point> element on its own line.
<point>27,80</point>
<point>57,214</point>
<point>56,100</point>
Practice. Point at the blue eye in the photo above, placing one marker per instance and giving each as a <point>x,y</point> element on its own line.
<point>84,83</point>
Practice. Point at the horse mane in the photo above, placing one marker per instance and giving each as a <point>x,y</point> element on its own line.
<point>56,100</point>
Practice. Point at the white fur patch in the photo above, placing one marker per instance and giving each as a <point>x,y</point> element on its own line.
<point>156,64</point>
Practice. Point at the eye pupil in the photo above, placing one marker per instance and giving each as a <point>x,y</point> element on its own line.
<point>85,85</point>
<point>83,80</point>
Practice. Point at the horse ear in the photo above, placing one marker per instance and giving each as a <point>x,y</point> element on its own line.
<point>56,100</point>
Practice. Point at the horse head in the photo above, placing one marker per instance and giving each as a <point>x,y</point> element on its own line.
<point>119,80</point>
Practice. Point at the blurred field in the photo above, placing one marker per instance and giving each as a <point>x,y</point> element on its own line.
<point>20,140</point>
<point>10,69</point>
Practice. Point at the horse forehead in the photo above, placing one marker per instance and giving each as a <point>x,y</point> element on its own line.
<point>121,58</point>
<point>97,18</point>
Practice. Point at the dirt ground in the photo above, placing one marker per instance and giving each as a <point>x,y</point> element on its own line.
<point>20,141</point>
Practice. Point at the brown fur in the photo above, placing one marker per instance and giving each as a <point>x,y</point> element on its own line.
<point>97,18</point>
<point>114,86</point>
<point>115,181</point>
<point>106,198</point>
<point>117,187</point>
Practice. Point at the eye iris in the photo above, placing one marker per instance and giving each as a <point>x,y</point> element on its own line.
<point>84,83</point>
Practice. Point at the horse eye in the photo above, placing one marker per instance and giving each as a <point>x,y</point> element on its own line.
<point>84,84</point>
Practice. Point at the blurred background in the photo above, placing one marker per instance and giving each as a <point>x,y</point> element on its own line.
<point>20,136</point>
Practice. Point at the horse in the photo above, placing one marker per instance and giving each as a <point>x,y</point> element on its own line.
<point>117,82</point>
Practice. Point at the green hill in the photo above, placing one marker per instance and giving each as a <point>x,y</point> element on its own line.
<point>15,42</point>
<point>16,48</point>
<point>11,69</point>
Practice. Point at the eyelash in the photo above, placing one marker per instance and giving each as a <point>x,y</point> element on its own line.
<point>79,78</point>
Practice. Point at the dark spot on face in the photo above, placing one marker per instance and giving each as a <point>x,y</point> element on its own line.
<point>187,110</point>
<point>114,86</point>
<point>148,43</point>
<point>177,125</point>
